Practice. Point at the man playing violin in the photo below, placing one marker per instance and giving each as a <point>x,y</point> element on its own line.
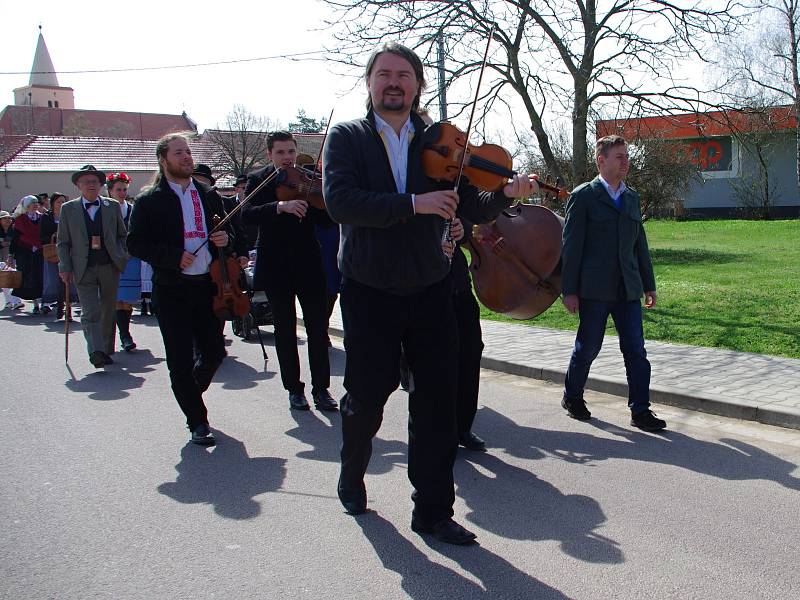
<point>169,228</point>
<point>396,290</point>
<point>289,268</point>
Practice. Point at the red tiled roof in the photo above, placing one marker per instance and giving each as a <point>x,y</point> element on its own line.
<point>694,125</point>
<point>22,120</point>
<point>11,145</point>
<point>55,153</point>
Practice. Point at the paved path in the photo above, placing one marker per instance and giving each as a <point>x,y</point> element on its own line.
<point>734,384</point>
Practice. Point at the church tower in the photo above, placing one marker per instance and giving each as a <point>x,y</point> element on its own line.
<point>43,89</point>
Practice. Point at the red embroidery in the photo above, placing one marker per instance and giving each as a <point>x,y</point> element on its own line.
<point>198,218</point>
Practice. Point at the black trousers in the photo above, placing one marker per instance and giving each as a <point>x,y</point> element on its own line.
<point>376,325</point>
<point>310,291</point>
<point>185,316</point>
<point>470,350</point>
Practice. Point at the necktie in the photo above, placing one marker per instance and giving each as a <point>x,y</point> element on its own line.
<point>95,203</point>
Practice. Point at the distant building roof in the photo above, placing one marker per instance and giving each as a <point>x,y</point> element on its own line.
<point>22,120</point>
<point>694,125</point>
<point>54,153</point>
<point>61,153</point>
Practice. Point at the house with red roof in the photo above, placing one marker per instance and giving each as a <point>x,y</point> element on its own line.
<point>739,155</point>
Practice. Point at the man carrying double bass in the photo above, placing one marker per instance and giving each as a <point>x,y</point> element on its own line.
<point>396,290</point>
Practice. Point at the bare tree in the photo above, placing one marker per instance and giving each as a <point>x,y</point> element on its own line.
<point>242,143</point>
<point>761,69</point>
<point>556,57</point>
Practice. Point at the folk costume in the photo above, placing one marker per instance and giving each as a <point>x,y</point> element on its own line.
<point>130,281</point>
<point>166,221</point>
<point>395,292</point>
<point>91,246</point>
<point>26,248</point>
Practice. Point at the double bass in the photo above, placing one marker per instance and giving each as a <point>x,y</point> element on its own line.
<point>515,260</point>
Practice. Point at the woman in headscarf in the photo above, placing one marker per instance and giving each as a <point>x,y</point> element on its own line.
<point>26,247</point>
<point>130,281</point>
<point>53,289</point>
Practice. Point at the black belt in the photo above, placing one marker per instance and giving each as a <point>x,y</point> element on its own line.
<point>202,278</point>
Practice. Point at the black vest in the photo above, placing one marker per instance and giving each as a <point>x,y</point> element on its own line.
<point>101,256</point>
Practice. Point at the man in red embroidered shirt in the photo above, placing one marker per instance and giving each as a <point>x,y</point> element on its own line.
<point>168,229</point>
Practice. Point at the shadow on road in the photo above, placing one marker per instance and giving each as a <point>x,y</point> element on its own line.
<point>115,381</point>
<point>424,579</point>
<point>236,375</point>
<point>224,477</point>
<point>727,459</point>
<point>515,504</point>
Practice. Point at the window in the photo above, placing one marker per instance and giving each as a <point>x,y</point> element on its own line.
<point>56,103</point>
<point>49,104</point>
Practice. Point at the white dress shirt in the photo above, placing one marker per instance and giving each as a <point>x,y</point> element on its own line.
<point>92,210</point>
<point>397,149</point>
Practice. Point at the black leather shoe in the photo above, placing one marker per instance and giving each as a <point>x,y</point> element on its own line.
<point>576,409</point>
<point>297,401</point>
<point>107,360</point>
<point>353,499</point>
<point>97,358</point>
<point>648,421</point>
<point>470,441</point>
<point>202,436</point>
<point>128,344</point>
<point>446,530</point>
<point>324,401</point>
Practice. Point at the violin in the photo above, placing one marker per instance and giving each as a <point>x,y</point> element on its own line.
<point>299,183</point>
<point>515,260</point>
<point>230,300</point>
<point>488,166</point>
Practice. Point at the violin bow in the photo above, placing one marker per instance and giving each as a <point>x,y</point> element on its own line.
<point>446,236</point>
<point>237,208</point>
<point>319,156</point>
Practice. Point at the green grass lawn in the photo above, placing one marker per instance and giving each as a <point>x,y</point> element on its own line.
<point>726,284</point>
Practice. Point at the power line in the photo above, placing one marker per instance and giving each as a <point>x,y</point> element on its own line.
<point>166,67</point>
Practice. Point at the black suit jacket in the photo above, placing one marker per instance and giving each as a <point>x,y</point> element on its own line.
<point>156,228</point>
<point>288,250</point>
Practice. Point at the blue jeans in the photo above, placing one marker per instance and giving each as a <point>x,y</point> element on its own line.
<point>591,330</point>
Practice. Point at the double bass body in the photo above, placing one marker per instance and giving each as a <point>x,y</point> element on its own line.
<point>516,260</point>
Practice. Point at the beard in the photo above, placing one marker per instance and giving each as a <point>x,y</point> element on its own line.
<point>393,103</point>
<point>178,170</point>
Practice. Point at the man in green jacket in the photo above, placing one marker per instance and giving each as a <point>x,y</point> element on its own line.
<point>606,269</point>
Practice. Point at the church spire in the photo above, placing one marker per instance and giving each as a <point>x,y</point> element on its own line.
<point>42,71</point>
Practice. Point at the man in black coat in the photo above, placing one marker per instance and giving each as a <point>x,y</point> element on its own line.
<point>289,268</point>
<point>169,228</point>
<point>396,290</point>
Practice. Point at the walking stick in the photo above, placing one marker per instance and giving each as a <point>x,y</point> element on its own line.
<point>67,315</point>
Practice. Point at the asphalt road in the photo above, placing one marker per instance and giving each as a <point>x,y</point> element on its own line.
<point>102,497</point>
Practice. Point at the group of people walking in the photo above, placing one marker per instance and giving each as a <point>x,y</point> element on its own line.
<point>404,287</point>
<point>29,243</point>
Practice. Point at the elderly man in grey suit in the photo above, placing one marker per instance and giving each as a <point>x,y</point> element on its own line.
<point>606,269</point>
<point>92,253</point>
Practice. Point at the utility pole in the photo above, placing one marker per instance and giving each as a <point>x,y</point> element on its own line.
<point>442,85</point>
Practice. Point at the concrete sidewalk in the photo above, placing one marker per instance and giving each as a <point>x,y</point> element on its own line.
<point>723,382</point>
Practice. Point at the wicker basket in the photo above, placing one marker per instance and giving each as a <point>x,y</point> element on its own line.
<point>49,252</point>
<point>10,279</point>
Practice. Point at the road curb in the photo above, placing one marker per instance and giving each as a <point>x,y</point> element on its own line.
<point>748,410</point>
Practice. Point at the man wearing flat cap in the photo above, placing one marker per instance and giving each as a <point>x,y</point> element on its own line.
<point>92,253</point>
